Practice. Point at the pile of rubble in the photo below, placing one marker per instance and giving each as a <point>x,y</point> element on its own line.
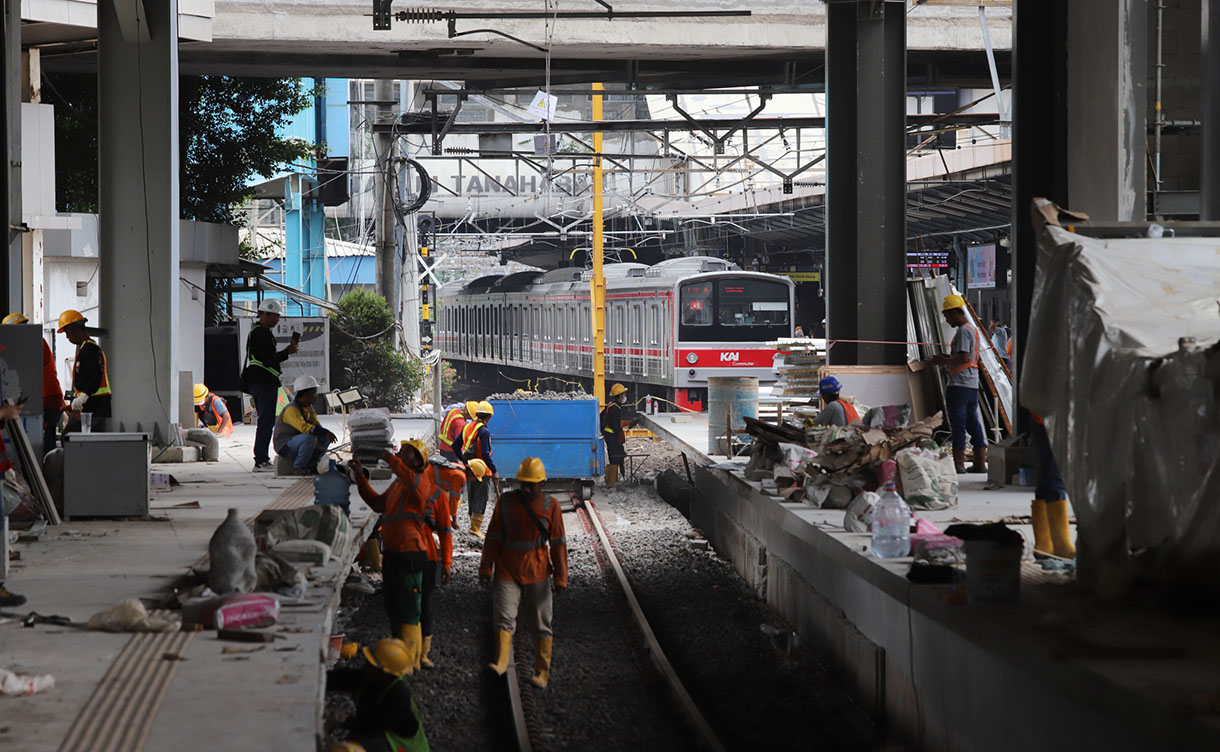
<point>521,394</point>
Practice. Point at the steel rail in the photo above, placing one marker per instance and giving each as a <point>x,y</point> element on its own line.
<point>521,725</point>
<point>703,730</point>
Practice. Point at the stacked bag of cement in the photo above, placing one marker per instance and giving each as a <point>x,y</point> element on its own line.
<point>371,433</point>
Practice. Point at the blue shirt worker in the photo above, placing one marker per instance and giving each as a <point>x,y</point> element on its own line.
<point>962,395</point>
<point>298,433</point>
<point>475,443</point>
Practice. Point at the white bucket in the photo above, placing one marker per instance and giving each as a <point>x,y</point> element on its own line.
<point>993,573</point>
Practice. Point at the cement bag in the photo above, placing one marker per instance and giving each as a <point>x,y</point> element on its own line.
<point>924,485</point>
<point>231,552</point>
<point>321,522</point>
<point>859,517</point>
<point>796,457</point>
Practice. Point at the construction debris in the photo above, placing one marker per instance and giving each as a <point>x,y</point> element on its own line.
<point>131,616</point>
<point>547,395</point>
<point>18,685</point>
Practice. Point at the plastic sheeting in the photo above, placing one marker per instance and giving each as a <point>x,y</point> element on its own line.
<point>1130,406</point>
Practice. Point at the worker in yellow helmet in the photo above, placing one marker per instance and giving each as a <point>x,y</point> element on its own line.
<point>53,403</point>
<point>387,717</point>
<point>212,412</point>
<point>962,394</point>
<point>475,443</point>
<point>612,433</point>
<point>451,427</point>
<point>526,546</point>
<point>90,381</point>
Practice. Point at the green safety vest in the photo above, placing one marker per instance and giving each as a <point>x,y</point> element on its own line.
<point>416,743</point>
<point>255,361</point>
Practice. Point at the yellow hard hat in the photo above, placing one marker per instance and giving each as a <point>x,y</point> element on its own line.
<point>201,393</point>
<point>531,470</point>
<point>485,407</point>
<point>419,446</point>
<point>472,407</point>
<point>15,318</point>
<point>347,747</point>
<point>478,467</point>
<point>390,655</point>
<point>70,317</point>
<point>617,389</point>
<point>953,301</point>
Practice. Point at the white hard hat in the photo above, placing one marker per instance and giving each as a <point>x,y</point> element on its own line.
<point>304,381</point>
<point>270,305</point>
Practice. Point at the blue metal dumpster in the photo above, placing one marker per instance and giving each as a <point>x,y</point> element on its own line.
<point>564,434</point>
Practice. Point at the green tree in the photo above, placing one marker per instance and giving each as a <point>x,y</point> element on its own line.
<point>227,135</point>
<point>363,352</point>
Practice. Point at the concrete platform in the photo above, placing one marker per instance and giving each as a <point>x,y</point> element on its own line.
<point>1056,671</point>
<point>268,699</point>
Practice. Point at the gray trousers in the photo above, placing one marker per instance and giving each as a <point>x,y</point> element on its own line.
<point>506,598</point>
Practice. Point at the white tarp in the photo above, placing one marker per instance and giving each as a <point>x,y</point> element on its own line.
<point>1132,414</point>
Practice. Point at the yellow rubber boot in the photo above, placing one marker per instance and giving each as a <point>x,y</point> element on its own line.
<point>372,554</point>
<point>476,526</point>
<point>349,650</point>
<point>1042,528</point>
<point>411,635</point>
<point>423,659</point>
<point>504,644</point>
<point>611,476</point>
<point>542,661</point>
<point>1061,532</point>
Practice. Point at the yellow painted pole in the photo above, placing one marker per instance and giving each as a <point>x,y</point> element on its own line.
<point>598,283</point>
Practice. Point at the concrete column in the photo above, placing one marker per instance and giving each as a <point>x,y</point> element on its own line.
<point>138,209</point>
<point>10,125</point>
<point>866,180</point>
<point>1040,146</point>
<point>1106,89</point>
<point>1209,173</point>
<point>33,301</point>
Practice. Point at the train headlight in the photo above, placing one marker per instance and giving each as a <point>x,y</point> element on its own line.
<point>692,358</point>
<point>691,373</point>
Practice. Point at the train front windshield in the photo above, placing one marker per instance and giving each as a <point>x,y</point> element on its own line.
<point>734,310</point>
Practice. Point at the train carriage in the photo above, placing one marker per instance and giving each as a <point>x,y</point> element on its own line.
<point>669,327</point>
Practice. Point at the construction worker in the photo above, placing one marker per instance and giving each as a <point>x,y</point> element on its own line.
<point>90,382</point>
<point>835,410</point>
<point>451,427</point>
<point>1049,510</point>
<point>612,433</point>
<point>53,403</point>
<point>475,443</point>
<point>212,411</point>
<point>261,376</point>
<point>440,514</point>
<point>525,546</point>
<point>387,718</point>
<point>406,538</point>
<point>298,432</point>
<point>962,394</point>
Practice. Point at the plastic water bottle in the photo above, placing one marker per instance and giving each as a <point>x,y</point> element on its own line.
<point>891,518</point>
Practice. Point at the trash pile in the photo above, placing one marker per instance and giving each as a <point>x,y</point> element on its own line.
<point>521,394</point>
<point>371,433</point>
<point>828,467</point>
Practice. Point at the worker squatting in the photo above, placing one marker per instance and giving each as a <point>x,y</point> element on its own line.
<point>524,558</point>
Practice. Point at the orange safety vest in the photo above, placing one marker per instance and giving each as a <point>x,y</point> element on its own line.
<point>441,509</point>
<point>447,425</point>
<point>850,411</point>
<point>470,434</point>
<point>974,354</point>
<point>403,525</point>
<point>103,388</point>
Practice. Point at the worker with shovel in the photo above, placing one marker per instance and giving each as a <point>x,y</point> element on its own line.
<point>526,549</point>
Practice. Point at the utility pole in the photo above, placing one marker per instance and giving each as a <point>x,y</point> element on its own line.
<point>386,244</point>
<point>598,283</point>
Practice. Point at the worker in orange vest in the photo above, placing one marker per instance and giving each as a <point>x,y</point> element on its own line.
<point>962,394</point>
<point>53,403</point>
<point>440,513</point>
<point>835,410</point>
<point>406,537</point>
<point>475,443</point>
<point>212,412</point>
<point>451,428</point>
<point>90,381</point>
<point>525,548</point>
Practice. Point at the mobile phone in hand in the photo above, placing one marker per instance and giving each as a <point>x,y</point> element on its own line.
<point>296,337</point>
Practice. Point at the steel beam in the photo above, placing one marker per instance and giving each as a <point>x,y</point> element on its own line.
<point>866,180</point>
<point>1210,164</point>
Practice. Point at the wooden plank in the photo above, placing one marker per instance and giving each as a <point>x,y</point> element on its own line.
<point>31,468</point>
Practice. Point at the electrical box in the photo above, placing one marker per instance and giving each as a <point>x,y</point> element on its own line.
<point>106,475</point>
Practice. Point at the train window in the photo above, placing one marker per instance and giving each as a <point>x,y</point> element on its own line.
<point>654,331</point>
<point>752,302</point>
<point>696,301</point>
<point>637,325</point>
<point>618,324</point>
